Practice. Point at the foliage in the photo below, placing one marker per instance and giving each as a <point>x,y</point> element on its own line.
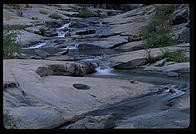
<point>174,56</point>
<point>42,30</point>
<point>14,27</point>
<point>10,121</point>
<point>55,16</point>
<point>84,12</point>
<point>178,56</point>
<point>11,47</point>
<point>158,33</point>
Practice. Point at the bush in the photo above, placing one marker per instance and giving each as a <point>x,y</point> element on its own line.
<point>174,56</point>
<point>42,30</point>
<point>158,33</point>
<point>84,12</point>
<point>11,47</point>
<point>14,27</point>
<point>9,121</point>
<point>55,16</point>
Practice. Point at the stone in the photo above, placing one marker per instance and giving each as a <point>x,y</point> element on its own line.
<point>160,63</point>
<point>172,74</point>
<point>10,84</point>
<point>172,90</point>
<point>184,36</point>
<point>70,69</point>
<point>180,16</point>
<point>85,32</point>
<point>81,86</point>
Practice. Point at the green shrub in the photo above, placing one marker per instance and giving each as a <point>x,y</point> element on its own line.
<point>14,27</point>
<point>42,30</point>
<point>159,32</point>
<point>85,13</point>
<point>171,56</point>
<point>9,121</point>
<point>174,56</point>
<point>55,16</point>
<point>11,47</point>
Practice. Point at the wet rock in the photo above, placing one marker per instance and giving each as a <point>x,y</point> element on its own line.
<point>160,63</point>
<point>50,33</point>
<point>85,32</point>
<point>172,90</point>
<point>172,74</point>
<point>53,24</point>
<point>81,86</point>
<point>131,39</point>
<point>88,46</point>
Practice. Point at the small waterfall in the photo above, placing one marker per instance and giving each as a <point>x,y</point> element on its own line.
<point>36,46</point>
<point>60,31</point>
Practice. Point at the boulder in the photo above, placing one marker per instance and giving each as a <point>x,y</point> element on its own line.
<point>85,32</point>
<point>180,16</point>
<point>81,86</point>
<point>73,69</point>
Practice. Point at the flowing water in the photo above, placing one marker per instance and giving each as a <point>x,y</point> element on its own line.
<point>150,111</point>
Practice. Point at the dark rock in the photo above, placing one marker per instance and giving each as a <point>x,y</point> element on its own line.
<point>10,84</point>
<point>172,74</point>
<point>172,90</point>
<point>88,46</point>
<point>85,32</point>
<point>133,82</point>
<point>53,24</point>
<point>131,39</point>
<point>184,36</point>
<point>180,16</point>
<point>160,63</point>
<point>50,33</point>
<point>81,86</point>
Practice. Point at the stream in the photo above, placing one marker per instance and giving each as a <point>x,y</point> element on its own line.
<point>149,111</point>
